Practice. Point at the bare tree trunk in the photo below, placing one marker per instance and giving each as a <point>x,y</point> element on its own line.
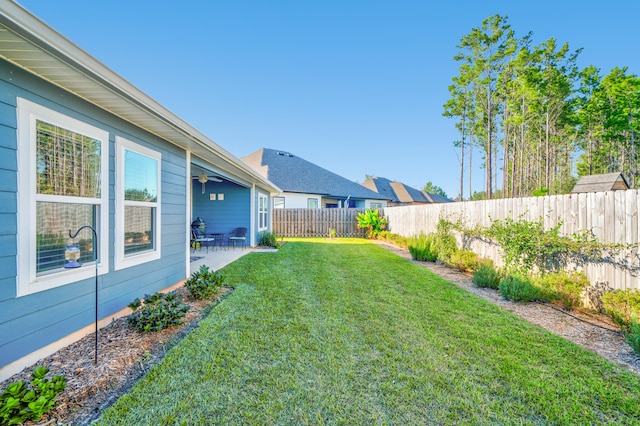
<point>470,165</point>
<point>489,148</point>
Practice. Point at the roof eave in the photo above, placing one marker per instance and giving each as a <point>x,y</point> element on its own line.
<point>100,80</point>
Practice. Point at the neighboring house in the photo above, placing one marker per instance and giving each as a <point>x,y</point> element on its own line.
<point>306,185</point>
<point>81,146</point>
<point>600,183</point>
<point>401,194</point>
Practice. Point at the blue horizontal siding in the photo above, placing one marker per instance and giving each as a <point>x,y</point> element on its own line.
<point>8,120</point>
<point>8,202</point>
<point>8,157</point>
<point>30,322</point>
<point>222,216</point>
<point>8,180</point>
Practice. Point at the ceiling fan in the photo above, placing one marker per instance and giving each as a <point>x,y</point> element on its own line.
<point>203,178</point>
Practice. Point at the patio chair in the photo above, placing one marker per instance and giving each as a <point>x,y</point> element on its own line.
<point>199,239</point>
<point>238,235</point>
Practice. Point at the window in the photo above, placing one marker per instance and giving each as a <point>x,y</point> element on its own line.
<point>278,202</point>
<point>312,203</point>
<point>137,204</point>
<point>376,206</point>
<point>63,172</point>
<point>263,212</point>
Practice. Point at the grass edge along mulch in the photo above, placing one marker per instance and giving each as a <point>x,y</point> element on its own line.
<point>344,332</point>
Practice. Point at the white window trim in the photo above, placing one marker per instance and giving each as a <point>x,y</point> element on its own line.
<point>28,282</point>
<point>317,201</point>
<point>264,211</point>
<point>121,261</point>
<point>284,202</point>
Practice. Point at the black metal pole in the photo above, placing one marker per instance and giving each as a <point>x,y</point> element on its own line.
<point>95,250</point>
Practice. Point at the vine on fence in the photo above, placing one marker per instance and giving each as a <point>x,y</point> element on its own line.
<point>528,247</point>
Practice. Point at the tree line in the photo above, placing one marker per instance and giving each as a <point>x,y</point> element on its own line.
<point>532,109</point>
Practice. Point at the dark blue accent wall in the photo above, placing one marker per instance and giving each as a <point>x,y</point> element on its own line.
<point>30,322</point>
<point>221,216</point>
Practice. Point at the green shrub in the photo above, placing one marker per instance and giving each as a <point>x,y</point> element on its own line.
<point>464,260</point>
<point>157,312</point>
<point>564,287</point>
<point>633,336</point>
<point>396,239</point>
<point>518,288</point>
<point>487,276</point>
<point>444,242</point>
<point>372,222</point>
<point>204,283</point>
<point>422,248</point>
<point>622,305</point>
<point>20,402</point>
<point>268,239</point>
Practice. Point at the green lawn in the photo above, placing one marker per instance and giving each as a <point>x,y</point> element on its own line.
<point>344,332</point>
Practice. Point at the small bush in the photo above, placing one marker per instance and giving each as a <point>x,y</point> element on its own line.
<point>157,312</point>
<point>20,402</point>
<point>487,276</point>
<point>464,260</point>
<point>622,305</point>
<point>633,337</point>
<point>268,239</point>
<point>422,248</point>
<point>204,283</point>
<point>444,242</point>
<point>372,222</point>
<point>518,288</point>
<point>396,239</point>
<point>564,287</point>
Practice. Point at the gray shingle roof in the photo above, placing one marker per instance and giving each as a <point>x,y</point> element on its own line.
<point>400,193</point>
<point>294,174</point>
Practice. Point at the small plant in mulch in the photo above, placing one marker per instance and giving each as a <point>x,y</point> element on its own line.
<point>204,283</point>
<point>565,287</point>
<point>372,222</point>
<point>519,288</point>
<point>422,248</point>
<point>156,312</point>
<point>21,402</point>
<point>633,336</point>
<point>487,276</point>
<point>623,306</point>
<point>464,260</point>
<point>268,239</point>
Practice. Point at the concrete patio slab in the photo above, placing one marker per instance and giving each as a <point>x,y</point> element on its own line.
<point>216,258</point>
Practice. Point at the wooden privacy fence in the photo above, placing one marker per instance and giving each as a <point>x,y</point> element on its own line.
<point>612,217</point>
<point>316,222</point>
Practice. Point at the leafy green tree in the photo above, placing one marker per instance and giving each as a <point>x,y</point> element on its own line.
<point>486,51</point>
<point>431,188</point>
<point>461,106</point>
<point>608,123</point>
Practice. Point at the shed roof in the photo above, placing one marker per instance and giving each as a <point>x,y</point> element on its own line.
<point>600,183</point>
<point>32,45</point>
<point>294,174</point>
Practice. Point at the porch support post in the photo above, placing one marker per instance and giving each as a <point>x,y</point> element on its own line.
<point>254,216</point>
<point>189,211</point>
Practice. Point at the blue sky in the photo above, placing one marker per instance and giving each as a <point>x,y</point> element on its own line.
<point>356,87</point>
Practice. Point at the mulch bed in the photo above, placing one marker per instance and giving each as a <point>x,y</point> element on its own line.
<point>125,355</point>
